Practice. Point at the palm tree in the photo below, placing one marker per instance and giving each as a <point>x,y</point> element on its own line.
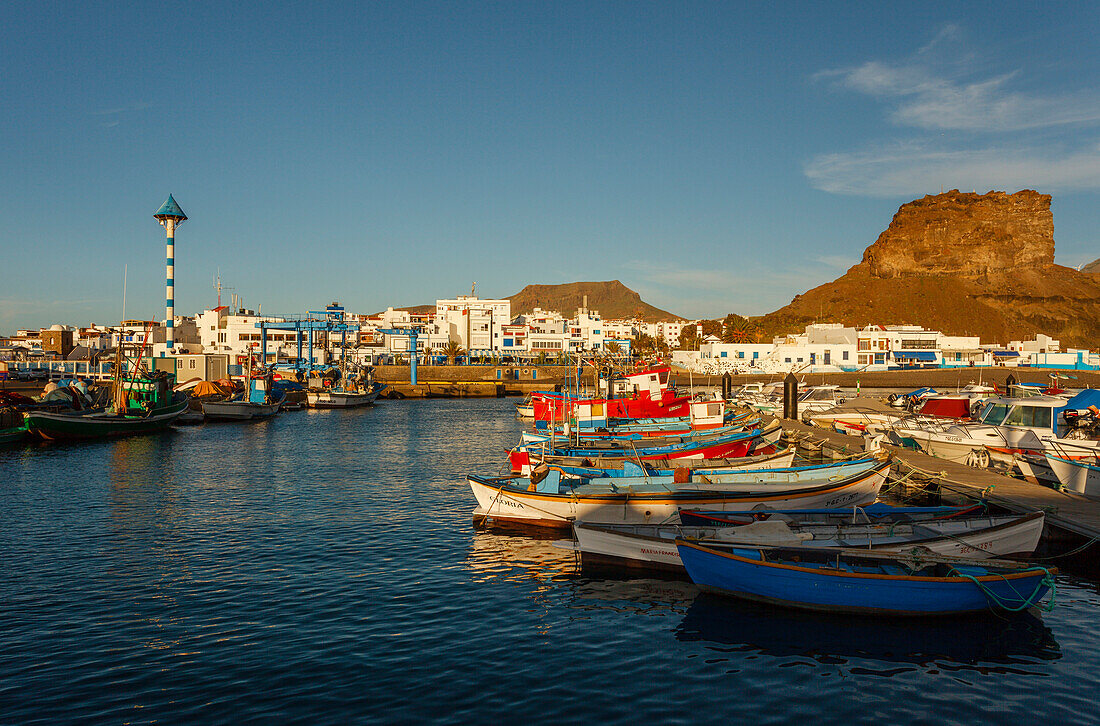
<point>613,349</point>
<point>452,350</point>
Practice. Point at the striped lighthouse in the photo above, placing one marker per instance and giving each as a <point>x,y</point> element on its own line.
<point>170,215</point>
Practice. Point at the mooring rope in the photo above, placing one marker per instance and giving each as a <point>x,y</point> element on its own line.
<point>1033,599</point>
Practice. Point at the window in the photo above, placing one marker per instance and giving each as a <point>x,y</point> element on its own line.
<point>723,354</point>
<point>993,414</point>
<point>864,345</point>
<point>1029,416</point>
<point>845,355</point>
<point>786,360</point>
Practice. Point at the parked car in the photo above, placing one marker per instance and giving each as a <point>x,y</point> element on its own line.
<point>5,376</point>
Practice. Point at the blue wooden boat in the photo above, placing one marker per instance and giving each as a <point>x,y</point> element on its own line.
<point>843,580</point>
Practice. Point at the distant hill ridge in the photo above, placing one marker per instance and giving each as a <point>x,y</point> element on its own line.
<point>613,300</point>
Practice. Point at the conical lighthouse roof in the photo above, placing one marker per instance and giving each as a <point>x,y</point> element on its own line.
<point>170,210</point>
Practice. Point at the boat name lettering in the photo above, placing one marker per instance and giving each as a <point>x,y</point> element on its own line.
<point>648,551</point>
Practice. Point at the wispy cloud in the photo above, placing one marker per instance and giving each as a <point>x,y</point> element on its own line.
<point>135,106</point>
<point>925,100</point>
<point>921,168</point>
<point>112,117</point>
<point>987,115</point>
<point>948,32</point>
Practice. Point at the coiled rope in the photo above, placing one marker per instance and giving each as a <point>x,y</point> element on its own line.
<point>1034,599</point>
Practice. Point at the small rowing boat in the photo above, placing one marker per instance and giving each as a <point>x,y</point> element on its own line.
<point>653,546</point>
<point>911,582</point>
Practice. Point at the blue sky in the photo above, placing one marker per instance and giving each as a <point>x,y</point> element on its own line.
<point>716,157</point>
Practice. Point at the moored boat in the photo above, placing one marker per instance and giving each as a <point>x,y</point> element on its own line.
<point>107,423</point>
<point>1079,475</point>
<point>653,546</point>
<point>554,501</point>
<point>242,409</point>
<point>911,582</point>
<point>344,397</point>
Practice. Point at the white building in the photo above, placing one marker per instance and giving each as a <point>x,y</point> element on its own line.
<point>475,324</point>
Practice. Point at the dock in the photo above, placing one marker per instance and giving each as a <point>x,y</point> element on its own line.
<point>1066,511</point>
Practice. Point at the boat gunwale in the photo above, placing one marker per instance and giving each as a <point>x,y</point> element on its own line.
<point>1015,521</point>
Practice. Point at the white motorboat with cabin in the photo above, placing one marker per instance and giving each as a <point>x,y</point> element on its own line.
<point>1005,428</point>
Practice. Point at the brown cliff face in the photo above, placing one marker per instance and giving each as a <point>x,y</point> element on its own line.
<point>965,234</point>
<point>965,264</point>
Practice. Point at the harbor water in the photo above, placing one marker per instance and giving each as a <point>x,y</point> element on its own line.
<point>322,567</point>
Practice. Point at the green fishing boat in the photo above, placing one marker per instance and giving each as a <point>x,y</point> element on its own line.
<point>13,435</point>
<point>107,423</point>
<point>12,428</point>
<point>142,403</point>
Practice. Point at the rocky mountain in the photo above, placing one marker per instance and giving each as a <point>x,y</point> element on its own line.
<point>612,299</point>
<point>1092,268</point>
<point>966,264</point>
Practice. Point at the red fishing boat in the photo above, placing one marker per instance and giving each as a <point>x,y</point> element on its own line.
<point>644,394</point>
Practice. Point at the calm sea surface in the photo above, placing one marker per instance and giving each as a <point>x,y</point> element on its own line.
<point>322,567</point>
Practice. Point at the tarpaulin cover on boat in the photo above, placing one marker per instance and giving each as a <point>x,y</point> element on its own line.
<point>946,408</point>
<point>1084,399</point>
<point>209,388</point>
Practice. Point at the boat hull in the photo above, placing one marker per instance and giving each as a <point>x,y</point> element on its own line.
<point>339,399</point>
<point>239,410</point>
<point>13,435</point>
<point>654,546</point>
<point>70,426</point>
<point>499,502</point>
<point>1076,475</point>
<point>742,573</point>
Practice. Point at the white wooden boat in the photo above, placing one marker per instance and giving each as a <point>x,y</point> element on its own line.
<point>556,502</point>
<point>336,398</point>
<point>1035,469</point>
<point>652,546</point>
<point>240,409</point>
<point>1080,475</point>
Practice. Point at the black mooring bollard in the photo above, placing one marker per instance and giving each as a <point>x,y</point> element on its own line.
<point>790,397</point>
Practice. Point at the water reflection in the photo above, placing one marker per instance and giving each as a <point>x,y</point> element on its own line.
<point>516,555</point>
<point>986,642</point>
